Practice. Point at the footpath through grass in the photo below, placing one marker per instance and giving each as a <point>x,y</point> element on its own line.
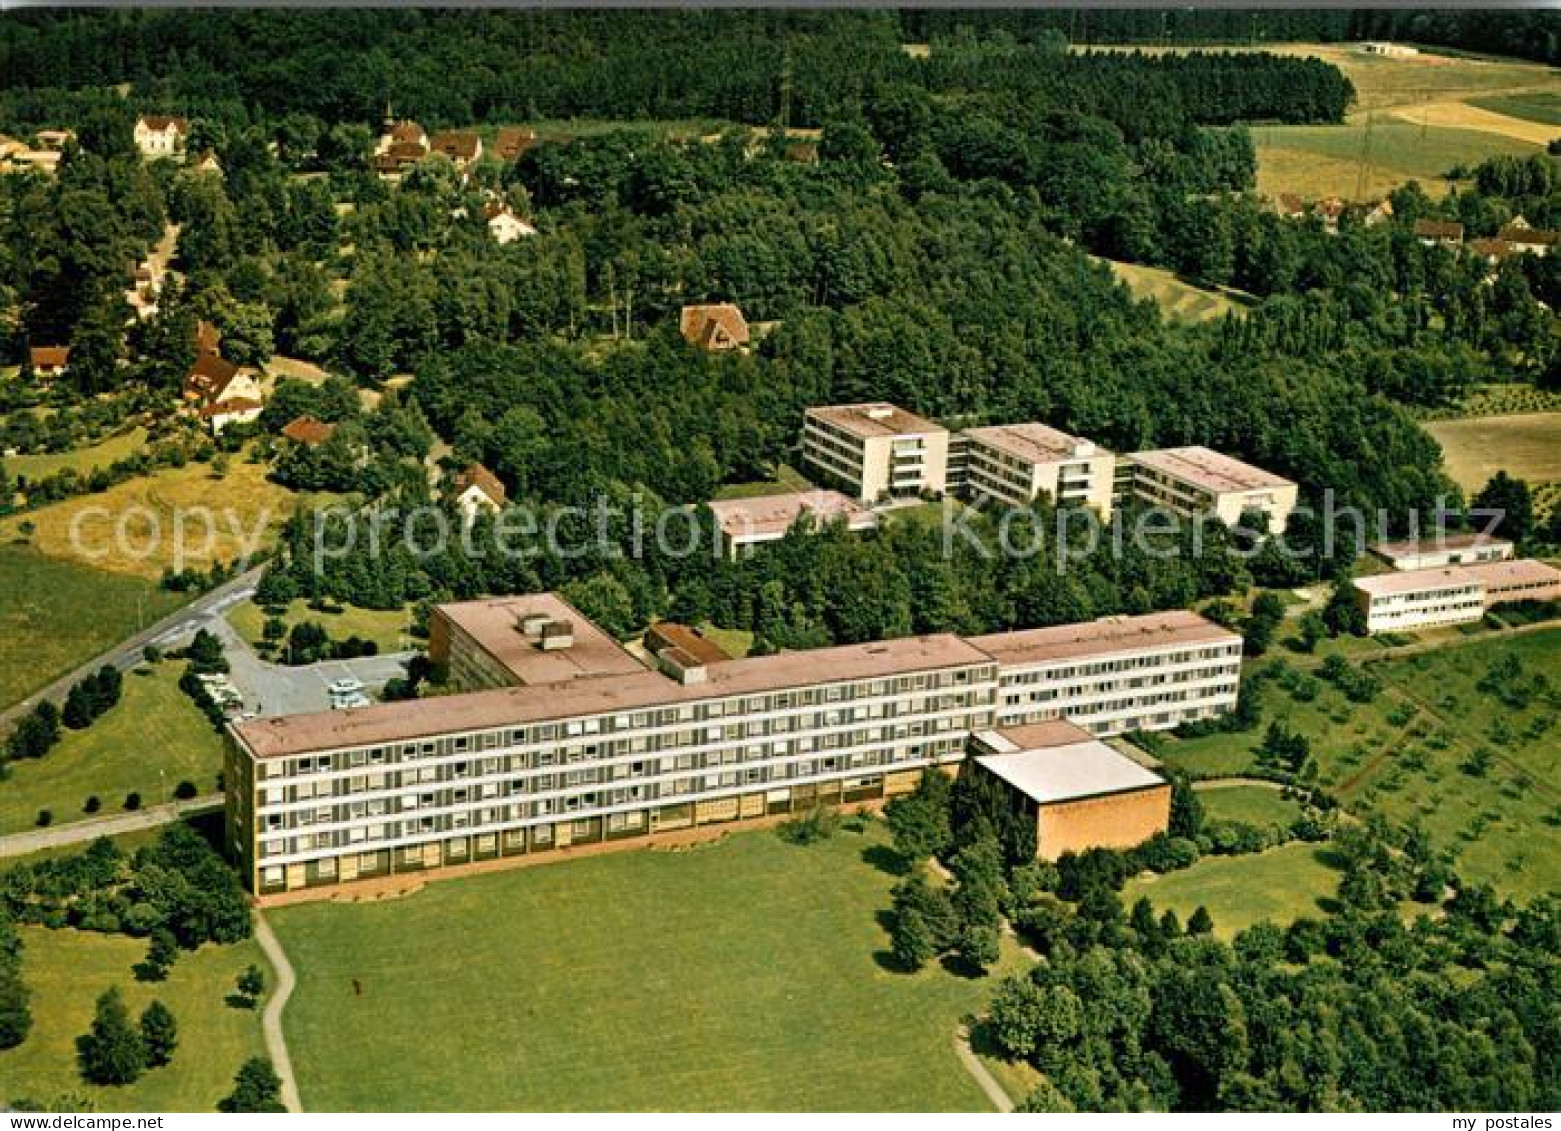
<point>147,743</point>
<point>56,615</point>
<point>67,970</point>
<point>745,975</point>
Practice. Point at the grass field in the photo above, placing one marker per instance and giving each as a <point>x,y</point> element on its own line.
<point>387,628</point>
<point>1525,445</point>
<point>1179,300</point>
<point>1318,161</point>
<point>1277,886</point>
<point>149,742</point>
<point>45,629</point>
<point>786,479</point>
<point>1254,804</point>
<point>1405,753</point>
<point>67,970</point>
<point>119,447</point>
<point>744,975</point>
<point>244,508</point>
<point>1543,106</point>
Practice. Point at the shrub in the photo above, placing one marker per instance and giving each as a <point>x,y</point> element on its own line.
<point>132,801</point>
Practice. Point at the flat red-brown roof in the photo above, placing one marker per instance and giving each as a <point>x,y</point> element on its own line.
<point>875,418</point>
<point>1034,442</point>
<point>494,626</point>
<point>1214,471</point>
<point>1103,637</point>
<point>764,515</point>
<point>514,706</point>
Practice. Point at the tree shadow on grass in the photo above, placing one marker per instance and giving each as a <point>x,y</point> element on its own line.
<point>959,968</point>
<point>885,859</point>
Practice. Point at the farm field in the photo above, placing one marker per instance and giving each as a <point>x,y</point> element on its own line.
<point>1278,886</point>
<point>43,632</point>
<point>114,448</point>
<point>148,742</point>
<point>1525,445</point>
<point>67,970</point>
<point>1542,106</point>
<point>244,507</point>
<point>1318,161</point>
<point>1507,399</point>
<point>747,974</point>
<point>386,627</point>
<point>1414,754</point>
<point>1180,301</point>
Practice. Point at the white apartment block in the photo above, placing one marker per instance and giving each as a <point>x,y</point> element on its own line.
<point>571,741</point>
<point>1117,674</point>
<point>1449,595</point>
<point>1201,481</point>
<point>1015,463</point>
<point>876,451</point>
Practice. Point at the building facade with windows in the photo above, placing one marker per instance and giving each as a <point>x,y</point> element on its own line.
<point>876,451</point>
<point>569,740</point>
<point>1201,481</point>
<point>1446,550</point>
<point>1014,463</point>
<point>1461,594</point>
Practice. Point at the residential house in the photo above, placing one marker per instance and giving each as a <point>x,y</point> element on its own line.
<point>714,326</point>
<point>460,146</point>
<point>511,142</point>
<point>161,135</point>
<point>221,393</point>
<point>1446,233</point>
<point>402,145</point>
<point>478,489</point>
<point>49,361</point>
<point>506,227</point>
<point>1523,238</point>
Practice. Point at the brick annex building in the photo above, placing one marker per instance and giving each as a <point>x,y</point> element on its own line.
<point>557,736</point>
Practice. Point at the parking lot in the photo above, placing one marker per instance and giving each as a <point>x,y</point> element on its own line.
<point>277,689</point>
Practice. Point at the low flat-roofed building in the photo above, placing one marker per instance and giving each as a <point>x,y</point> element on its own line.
<point>750,522</point>
<point>1117,674</point>
<point>1420,598</point>
<point>1081,792</point>
<point>1014,463</point>
<point>875,450</point>
<point>1443,550</point>
<point>1200,481</point>
<point>1520,579</point>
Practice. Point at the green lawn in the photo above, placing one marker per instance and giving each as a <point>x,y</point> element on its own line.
<point>1254,804</point>
<point>1277,886</point>
<point>1318,161</point>
<point>1543,106</point>
<point>149,742</point>
<point>744,975</point>
<point>387,628</point>
<point>119,447</point>
<point>735,642</point>
<point>1178,299</point>
<point>786,479</point>
<point>67,970</point>
<point>1404,755</point>
<point>56,614</point>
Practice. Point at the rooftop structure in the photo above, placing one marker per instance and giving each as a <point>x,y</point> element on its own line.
<point>521,636</point>
<point>1443,550</point>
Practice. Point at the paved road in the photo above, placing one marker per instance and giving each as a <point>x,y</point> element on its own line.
<point>271,1019</point>
<point>58,836</point>
<point>127,654</point>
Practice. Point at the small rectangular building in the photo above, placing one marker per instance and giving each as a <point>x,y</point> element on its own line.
<point>1014,463</point>
<point>1433,598</point>
<point>1444,550</point>
<point>1200,481</point>
<point>1081,792</point>
<point>876,451</point>
<point>751,522</point>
